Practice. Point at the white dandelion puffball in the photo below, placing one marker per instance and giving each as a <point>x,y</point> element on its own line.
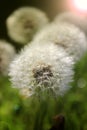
<point>66,35</point>
<point>42,68</point>
<point>70,17</point>
<point>23,23</point>
<point>7,53</point>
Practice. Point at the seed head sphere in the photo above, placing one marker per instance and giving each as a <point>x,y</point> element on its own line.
<point>23,24</point>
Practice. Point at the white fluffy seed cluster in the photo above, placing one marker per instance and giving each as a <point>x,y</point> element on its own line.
<point>68,36</point>
<point>23,23</point>
<point>42,68</point>
<point>7,53</point>
<point>46,65</point>
<point>77,20</point>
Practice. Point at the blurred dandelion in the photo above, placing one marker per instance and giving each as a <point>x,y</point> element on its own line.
<point>77,20</point>
<point>42,68</point>
<point>7,53</point>
<point>67,36</point>
<point>81,83</point>
<point>23,23</point>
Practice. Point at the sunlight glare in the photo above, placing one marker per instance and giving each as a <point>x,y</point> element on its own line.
<point>81,4</point>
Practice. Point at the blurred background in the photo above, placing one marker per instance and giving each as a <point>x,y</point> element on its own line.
<point>19,113</point>
<point>51,7</point>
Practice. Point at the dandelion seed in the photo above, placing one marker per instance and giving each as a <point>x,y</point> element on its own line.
<point>42,68</point>
<point>23,23</point>
<point>67,36</point>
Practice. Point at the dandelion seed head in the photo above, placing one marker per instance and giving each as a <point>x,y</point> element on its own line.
<point>70,17</point>
<point>7,53</point>
<point>68,36</point>
<point>42,68</point>
<point>23,23</point>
